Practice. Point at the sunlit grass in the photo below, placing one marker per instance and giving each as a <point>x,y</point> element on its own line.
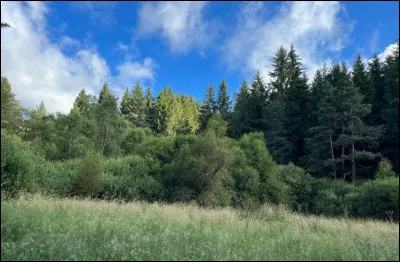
<point>41,228</point>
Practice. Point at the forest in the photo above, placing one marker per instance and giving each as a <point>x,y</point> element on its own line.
<point>327,146</point>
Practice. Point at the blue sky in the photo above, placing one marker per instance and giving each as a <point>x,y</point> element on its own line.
<point>54,49</point>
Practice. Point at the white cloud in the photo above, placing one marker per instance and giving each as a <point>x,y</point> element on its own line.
<point>39,71</point>
<point>180,23</point>
<point>101,12</point>
<point>130,72</point>
<point>122,47</point>
<point>388,50</point>
<point>314,28</point>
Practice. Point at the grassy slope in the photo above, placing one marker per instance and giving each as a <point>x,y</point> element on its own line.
<point>45,229</point>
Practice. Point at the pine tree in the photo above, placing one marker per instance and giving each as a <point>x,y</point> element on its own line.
<point>108,123</point>
<point>126,104</point>
<point>258,98</point>
<point>165,112</point>
<point>360,80</point>
<point>375,77</point>
<point>280,78</point>
<point>82,103</point>
<point>138,107</point>
<point>354,132</point>
<point>223,103</point>
<point>320,156</point>
<point>297,102</point>
<point>239,123</point>
<point>208,107</point>
<point>149,108</point>
<point>11,111</point>
<point>390,110</point>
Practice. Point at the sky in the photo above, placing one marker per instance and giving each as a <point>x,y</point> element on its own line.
<point>54,49</point>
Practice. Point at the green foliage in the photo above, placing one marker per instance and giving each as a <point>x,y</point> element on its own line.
<point>223,103</point>
<point>300,186</point>
<point>88,183</point>
<point>134,138</point>
<point>385,170</point>
<point>272,189</point>
<point>11,111</point>
<point>200,172</point>
<point>376,199</point>
<point>217,125</point>
<point>208,107</point>
<point>128,178</point>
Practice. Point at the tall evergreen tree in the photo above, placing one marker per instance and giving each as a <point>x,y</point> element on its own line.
<point>82,103</point>
<point>223,103</point>
<point>360,80</point>
<point>354,133</point>
<point>280,79</point>
<point>126,104</point>
<point>258,98</point>
<point>375,77</point>
<point>138,107</point>
<point>239,123</point>
<point>11,111</point>
<point>297,105</point>
<point>208,107</point>
<point>390,110</point>
<point>149,108</point>
<point>108,123</point>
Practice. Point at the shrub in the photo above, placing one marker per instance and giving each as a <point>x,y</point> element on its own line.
<point>272,188</point>
<point>376,199</point>
<point>300,188</point>
<point>385,170</point>
<point>134,138</point>
<point>88,180</point>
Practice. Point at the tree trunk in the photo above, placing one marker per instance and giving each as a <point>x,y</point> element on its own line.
<point>332,156</point>
<point>342,158</point>
<point>353,165</point>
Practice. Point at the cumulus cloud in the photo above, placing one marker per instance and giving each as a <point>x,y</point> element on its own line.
<point>180,23</point>
<point>316,29</point>
<point>388,50</point>
<point>38,69</point>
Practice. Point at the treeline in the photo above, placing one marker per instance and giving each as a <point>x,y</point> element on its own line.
<point>169,147</point>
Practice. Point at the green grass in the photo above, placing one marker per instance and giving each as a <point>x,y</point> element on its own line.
<point>41,228</point>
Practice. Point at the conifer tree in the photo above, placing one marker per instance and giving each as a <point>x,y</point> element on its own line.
<point>208,107</point>
<point>223,103</point>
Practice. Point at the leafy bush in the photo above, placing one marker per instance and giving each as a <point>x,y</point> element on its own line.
<point>300,188</point>
<point>200,172</point>
<point>272,188</point>
<point>134,138</point>
<point>385,170</point>
<point>88,182</point>
<point>376,199</point>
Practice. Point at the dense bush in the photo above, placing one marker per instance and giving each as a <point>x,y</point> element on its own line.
<point>128,178</point>
<point>272,188</point>
<point>300,186</point>
<point>200,172</point>
<point>384,170</point>
<point>376,199</point>
<point>88,182</point>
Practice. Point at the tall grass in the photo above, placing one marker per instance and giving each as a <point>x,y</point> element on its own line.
<point>42,228</point>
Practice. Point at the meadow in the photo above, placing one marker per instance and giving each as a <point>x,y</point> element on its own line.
<point>35,227</point>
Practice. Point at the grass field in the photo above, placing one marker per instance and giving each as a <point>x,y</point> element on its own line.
<point>41,228</point>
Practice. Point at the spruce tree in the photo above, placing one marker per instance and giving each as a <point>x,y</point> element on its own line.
<point>149,108</point>
<point>223,103</point>
<point>138,107</point>
<point>239,123</point>
<point>208,107</point>
<point>11,111</point>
